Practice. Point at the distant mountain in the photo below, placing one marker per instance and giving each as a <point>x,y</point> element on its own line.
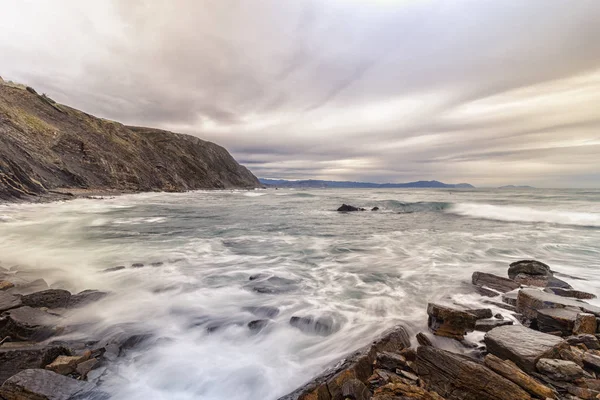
<point>516,187</point>
<point>312,183</point>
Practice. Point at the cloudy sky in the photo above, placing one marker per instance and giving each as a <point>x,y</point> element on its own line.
<point>485,92</point>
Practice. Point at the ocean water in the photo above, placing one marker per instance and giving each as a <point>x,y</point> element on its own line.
<point>361,272</point>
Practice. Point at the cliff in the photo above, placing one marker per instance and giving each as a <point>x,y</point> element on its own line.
<point>47,147</point>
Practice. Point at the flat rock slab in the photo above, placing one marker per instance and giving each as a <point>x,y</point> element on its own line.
<point>9,301</point>
<point>530,301</point>
<point>457,377</point>
<point>486,325</point>
<point>51,298</point>
<point>577,294</point>
<point>560,370</point>
<point>522,345</point>
<point>449,322</point>
<point>26,323</point>
<point>495,282</point>
<point>16,359</point>
<point>39,384</point>
<point>557,319</point>
<point>513,373</point>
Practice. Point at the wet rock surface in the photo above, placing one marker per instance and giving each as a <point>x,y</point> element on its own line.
<point>494,281</point>
<point>39,384</point>
<point>449,322</point>
<point>349,208</point>
<point>51,298</point>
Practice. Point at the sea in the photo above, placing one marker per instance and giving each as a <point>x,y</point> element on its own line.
<point>216,262</point>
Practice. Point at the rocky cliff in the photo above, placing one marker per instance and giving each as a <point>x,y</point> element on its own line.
<point>47,147</point>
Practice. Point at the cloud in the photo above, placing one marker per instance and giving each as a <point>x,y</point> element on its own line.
<point>479,91</point>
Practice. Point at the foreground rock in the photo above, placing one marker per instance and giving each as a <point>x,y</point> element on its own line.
<point>39,384</point>
<point>530,301</point>
<point>14,359</point>
<point>27,323</point>
<point>51,298</point>
<point>510,371</point>
<point>456,377</point>
<point>449,322</point>
<point>522,345</point>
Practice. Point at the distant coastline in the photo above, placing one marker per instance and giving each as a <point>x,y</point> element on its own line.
<point>313,183</point>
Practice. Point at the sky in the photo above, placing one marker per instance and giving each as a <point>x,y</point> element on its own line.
<point>485,92</point>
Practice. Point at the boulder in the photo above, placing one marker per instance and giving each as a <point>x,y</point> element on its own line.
<point>577,294</point>
<point>324,325</point>
<point>349,208</point>
<point>530,301</point>
<point>51,298</point>
<point>26,323</point>
<point>590,341</point>
<point>86,297</point>
<point>494,282</point>
<point>9,301</point>
<point>529,267</point>
<point>14,359</point>
<point>522,345</point>
<point>449,322</point>
<point>457,377</point>
<point>258,325</point>
<point>39,384</point>
<point>585,324</point>
<point>557,319</point>
<point>559,370</point>
<point>510,371</point>
<point>375,209</point>
<point>486,325</point>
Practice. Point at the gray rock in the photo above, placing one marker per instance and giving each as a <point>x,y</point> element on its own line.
<point>390,361</point>
<point>26,323</point>
<point>9,301</point>
<point>560,370</point>
<point>522,345</point>
<point>486,325</point>
<point>590,341</point>
<point>114,269</point>
<point>51,298</point>
<point>457,377</point>
<point>423,339</point>
<point>86,297</point>
<point>494,282</point>
<point>577,294</point>
<point>449,322</point>
<point>258,325</point>
<point>349,208</point>
<point>558,283</point>
<point>557,319</point>
<point>592,361</point>
<point>323,325</point>
<point>32,287</point>
<point>530,267</point>
<point>511,297</point>
<point>530,301</point>
<point>39,384</point>
<point>14,359</point>
<point>84,368</point>
<point>355,390</point>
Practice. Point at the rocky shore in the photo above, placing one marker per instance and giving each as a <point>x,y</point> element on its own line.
<point>544,345</point>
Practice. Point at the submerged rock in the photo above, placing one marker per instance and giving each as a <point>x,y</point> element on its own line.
<point>271,284</point>
<point>39,384</point>
<point>9,301</point>
<point>323,325</point>
<point>113,269</point>
<point>26,323</point>
<point>529,267</point>
<point>457,377</point>
<point>263,311</point>
<point>14,359</point>
<point>86,297</point>
<point>374,209</point>
<point>51,298</point>
<point>449,322</point>
<point>258,325</point>
<point>349,208</point>
<point>522,345</point>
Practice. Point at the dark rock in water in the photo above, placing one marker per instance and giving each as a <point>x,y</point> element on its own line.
<point>349,208</point>
<point>457,377</point>
<point>51,298</point>
<point>577,294</point>
<point>375,209</point>
<point>529,267</point>
<point>486,325</point>
<point>494,282</point>
<point>26,323</point>
<point>324,325</point>
<point>560,370</point>
<point>15,359</point>
<point>270,284</point>
<point>258,325</point>
<point>390,361</point>
<point>522,345</point>
<point>499,316</point>
<point>39,384</point>
<point>449,322</point>
<point>557,319</point>
<point>137,265</point>
<point>86,297</point>
<point>9,301</point>
<point>480,313</point>
<point>213,324</point>
<point>113,269</point>
<point>590,341</point>
<point>423,339</point>
<point>510,371</point>
<point>530,301</point>
<point>263,311</point>
<point>157,264</point>
<point>357,365</point>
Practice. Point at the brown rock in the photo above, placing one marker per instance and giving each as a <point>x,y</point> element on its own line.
<point>449,322</point>
<point>355,389</point>
<point>572,353</point>
<point>486,325</point>
<point>423,339</point>
<point>510,371</point>
<point>5,285</point>
<point>532,280</point>
<point>560,370</point>
<point>583,393</point>
<point>403,391</point>
<point>557,319</point>
<point>530,301</point>
<point>592,361</point>
<point>65,365</point>
<point>585,323</point>
<point>457,377</point>
<point>390,361</point>
<point>495,282</point>
<point>590,341</point>
<point>522,345</point>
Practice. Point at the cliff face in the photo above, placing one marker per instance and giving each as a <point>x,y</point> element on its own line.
<point>45,146</point>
